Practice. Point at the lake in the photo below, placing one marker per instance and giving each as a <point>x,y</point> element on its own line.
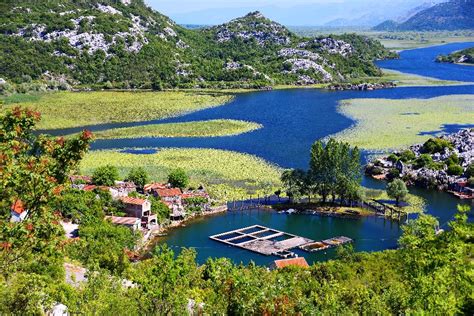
<point>293,119</point>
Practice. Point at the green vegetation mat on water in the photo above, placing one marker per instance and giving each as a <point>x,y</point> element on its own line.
<point>74,109</point>
<point>210,128</point>
<point>383,124</point>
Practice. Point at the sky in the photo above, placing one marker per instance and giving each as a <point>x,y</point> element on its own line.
<point>288,12</point>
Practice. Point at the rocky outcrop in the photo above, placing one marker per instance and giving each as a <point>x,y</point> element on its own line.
<point>253,26</point>
<point>362,86</point>
<point>435,175</point>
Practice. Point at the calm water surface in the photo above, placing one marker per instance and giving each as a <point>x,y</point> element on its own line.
<point>293,120</point>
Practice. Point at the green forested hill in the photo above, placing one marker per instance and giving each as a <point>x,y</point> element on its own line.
<point>451,15</point>
<point>125,44</point>
<point>465,56</point>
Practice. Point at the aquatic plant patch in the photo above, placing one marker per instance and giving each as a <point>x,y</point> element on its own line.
<point>383,124</point>
<point>227,175</point>
<point>410,80</point>
<point>74,109</point>
<point>211,128</point>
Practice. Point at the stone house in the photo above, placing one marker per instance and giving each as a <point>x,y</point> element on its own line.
<point>140,208</point>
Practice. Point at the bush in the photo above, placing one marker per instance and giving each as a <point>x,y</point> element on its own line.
<point>423,161</point>
<point>106,175</point>
<point>407,156</point>
<point>452,160</point>
<point>470,171</point>
<point>393,158</point>
<point>455,170</point>
<point>393,173</point>
<point>435,145</point>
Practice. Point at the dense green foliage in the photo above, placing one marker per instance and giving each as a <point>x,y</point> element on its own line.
<point>139,176</point>
<point>178,178</point>
<point>465,56</point>
<point>431,272</point>
<point>105,175</point>
<point>334,170</point>
<point>151,52</point>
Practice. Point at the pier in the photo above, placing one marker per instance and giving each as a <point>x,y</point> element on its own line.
<point>272,242</point>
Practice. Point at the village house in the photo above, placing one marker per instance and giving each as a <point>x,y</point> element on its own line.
<point>462,190</point>
<point>297,262</point>
<point>140,208</point>
<point>152,187</point>
<point>18,212</point>
<point>122,189</point>
<point>133,223</point>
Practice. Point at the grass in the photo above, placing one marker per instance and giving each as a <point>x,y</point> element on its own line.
<point>409,80</point>
<point>211,128</point>
<point>226,175</point>
<point>384,124</point>
<point>74,109</point>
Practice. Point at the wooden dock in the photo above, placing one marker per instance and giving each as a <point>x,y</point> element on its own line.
<point>272,242</point>
<point>262,240</point>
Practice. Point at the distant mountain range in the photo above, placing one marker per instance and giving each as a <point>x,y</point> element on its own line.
<point>452,15</point>
<point>125,44</point>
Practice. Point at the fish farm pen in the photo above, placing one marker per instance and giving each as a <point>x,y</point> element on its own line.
<point>269,241</point>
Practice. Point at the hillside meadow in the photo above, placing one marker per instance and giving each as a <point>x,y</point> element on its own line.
<point>227,175</point>
<point>383,124</point>
<point>210,128</point>
<point>75,109</point>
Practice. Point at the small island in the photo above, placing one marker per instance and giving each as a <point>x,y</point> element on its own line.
<point>445,163</point>
<point>463,57</point>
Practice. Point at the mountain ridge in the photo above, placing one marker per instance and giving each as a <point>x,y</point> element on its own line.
<point>126,44</point>
<point>448,16</point>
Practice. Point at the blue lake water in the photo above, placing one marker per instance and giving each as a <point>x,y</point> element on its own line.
<point>293,119</point>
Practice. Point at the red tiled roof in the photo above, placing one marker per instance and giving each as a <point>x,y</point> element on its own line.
<point>18,207</point>
<point>122,220</point>
<point>168,192</point>
<point>299,262</point>
<point>154,186</point>
<point>132,200</point>
<point>194,194</point>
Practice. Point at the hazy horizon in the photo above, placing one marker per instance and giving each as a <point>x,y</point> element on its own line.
<point>294,12</point>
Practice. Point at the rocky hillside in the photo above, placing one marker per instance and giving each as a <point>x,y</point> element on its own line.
<point>125,44</point>
<point>452,15</point>
<point>465,56</point>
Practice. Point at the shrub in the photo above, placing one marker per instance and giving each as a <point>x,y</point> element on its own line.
<point>393,173</point>
<point>452,160</point>
<point>455,170</point>
<point>407,156</point>
<point>423,161</point>
<point>393,158</point>
<point>470,171</point>
<point>435,145</point>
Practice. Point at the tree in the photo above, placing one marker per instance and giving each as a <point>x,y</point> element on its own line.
<point>397,189</point>
<point>139,176</point>
<point>294,182</point>
<point>178,178</point>
<point>33,170</point>
<point>105,175</point>
<point>159,208</point>
<point>334,169</point>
